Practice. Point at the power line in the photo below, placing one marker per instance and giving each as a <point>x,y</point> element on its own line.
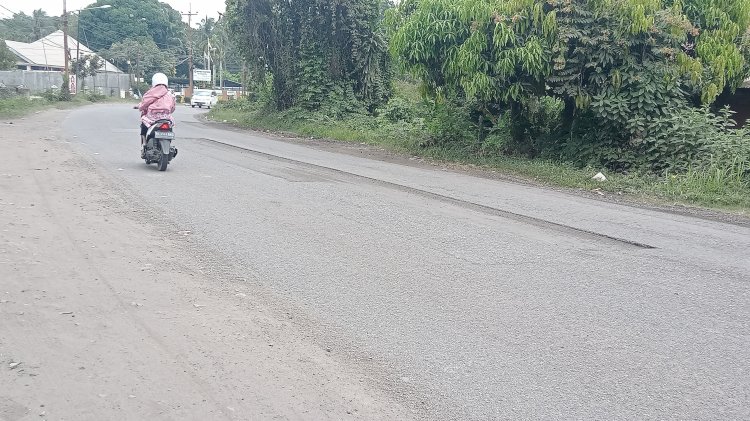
<point>121,34</point>
<point>39,48</point>
<point>15,13</point>
<point>46,42</point>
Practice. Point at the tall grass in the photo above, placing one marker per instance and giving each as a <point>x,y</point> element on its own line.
<point>19,106</point>
<point>725,184</point>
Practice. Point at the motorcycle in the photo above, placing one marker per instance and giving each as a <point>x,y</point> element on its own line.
<point>158,148</point>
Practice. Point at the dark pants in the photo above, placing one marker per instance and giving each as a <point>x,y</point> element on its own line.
<point>144,129</point>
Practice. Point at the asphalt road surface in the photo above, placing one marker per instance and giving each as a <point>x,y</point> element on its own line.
<point>461,297</point>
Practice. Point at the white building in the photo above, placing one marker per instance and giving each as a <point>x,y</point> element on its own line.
<point>47,53</point>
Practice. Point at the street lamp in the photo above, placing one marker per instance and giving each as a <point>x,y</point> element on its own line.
<point>66,53</point>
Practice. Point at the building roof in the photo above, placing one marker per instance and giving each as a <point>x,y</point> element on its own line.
<point>48,52</point>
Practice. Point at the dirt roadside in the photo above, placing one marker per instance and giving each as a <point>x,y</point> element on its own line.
<point>91,330</point>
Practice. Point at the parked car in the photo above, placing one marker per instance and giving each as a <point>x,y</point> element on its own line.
<point>203,98</point>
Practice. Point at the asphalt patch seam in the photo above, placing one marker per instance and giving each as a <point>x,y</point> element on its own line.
<point>530,220</point>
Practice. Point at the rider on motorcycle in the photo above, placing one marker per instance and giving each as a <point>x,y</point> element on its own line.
<point>156,104</point>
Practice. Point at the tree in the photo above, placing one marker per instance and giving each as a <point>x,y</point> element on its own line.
<point>141,56</point>
<point>86,65</point>
<point>314,48</point>
<point>128,19</point>
<point>24,28</point>
<point>7,58</point>
<point>622,58</point>
<point>621,69</point>
<point>43,24</point>
<point>492,54</point>
<point>218,47</point>
<point>208,42</point>
<point>717,46</point>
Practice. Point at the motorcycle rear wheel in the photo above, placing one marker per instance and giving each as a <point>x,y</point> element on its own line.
<point>163,161</point>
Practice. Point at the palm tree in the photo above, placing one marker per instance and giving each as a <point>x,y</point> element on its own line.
<point>221,35</point>
<point>43,24</point>
<point>207,42</point>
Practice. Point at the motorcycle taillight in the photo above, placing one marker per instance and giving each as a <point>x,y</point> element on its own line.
<point>164,126</point>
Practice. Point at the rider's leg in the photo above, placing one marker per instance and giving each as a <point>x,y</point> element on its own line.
<point>144,129</point>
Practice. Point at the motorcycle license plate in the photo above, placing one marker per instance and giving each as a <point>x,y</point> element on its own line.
<point>164,135</point>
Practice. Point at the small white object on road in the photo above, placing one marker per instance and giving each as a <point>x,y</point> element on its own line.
<point>599,177</point>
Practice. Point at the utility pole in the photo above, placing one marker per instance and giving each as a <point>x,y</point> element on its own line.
<point>209,60</point>
<point>66,73</point>
<point>66,51</point>
<point>77,69</point>
<point>222,43</point>
<point>190,15</point>
<point>78,38</point>
<point>221,67</point>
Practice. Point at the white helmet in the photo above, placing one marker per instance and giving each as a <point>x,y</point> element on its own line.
<point>159,79</point>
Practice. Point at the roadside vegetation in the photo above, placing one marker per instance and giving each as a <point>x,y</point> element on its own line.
<point>552,91</point>
<point>407,126</point>
<point>19,106</point>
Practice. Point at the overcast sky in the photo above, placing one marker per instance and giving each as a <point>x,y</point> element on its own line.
<point>54,7</point>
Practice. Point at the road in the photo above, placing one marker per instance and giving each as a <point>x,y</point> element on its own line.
<point>445,294</point>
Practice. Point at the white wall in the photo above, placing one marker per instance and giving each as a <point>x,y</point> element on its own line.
<point>109,84</point>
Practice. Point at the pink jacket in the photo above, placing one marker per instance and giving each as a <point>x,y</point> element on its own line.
<point>157,104</point>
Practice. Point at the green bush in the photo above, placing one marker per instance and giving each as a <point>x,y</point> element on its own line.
<point>18,106</point>
<point>341,101</point>
<point>397,109</point>
<point>94,97</point>
<point>240,104</point>
<point>687,140</point>
<point>539,123</point>
<point>448,124</point>
<point>52,95</point>
<point>7,93</point>
<point>591,144</point>
<point>497,142</point>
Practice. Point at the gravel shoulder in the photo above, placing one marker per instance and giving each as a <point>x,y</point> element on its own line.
<point>108,312</point>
